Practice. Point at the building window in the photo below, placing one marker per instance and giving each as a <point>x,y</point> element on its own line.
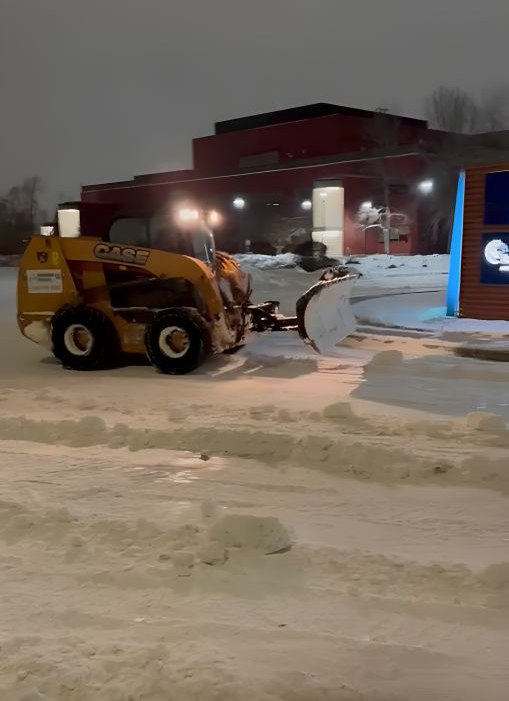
<point>496,198</point>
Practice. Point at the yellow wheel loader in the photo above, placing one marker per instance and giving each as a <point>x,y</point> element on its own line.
<point>151,285</point>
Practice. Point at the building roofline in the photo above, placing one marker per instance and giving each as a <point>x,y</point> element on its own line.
<point>304,112</point>
<point>294,165</point>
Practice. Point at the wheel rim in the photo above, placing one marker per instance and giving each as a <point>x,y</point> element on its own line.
<point>174,342</point>
<point>78,339</point>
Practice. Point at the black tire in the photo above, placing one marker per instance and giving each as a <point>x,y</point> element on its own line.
<point>177,341</point>
<point>83,338</point>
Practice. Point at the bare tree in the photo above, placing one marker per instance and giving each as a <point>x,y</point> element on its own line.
<point>31,189</point>
<point>18,214</point>
<point>383,130</point>
<point>455,111</point>
<point>470,125</point>
<point>494,107</point>
<point>389,221</point>
<point>451,155</point>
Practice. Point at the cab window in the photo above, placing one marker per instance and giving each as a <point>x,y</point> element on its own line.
<point>130,231</point>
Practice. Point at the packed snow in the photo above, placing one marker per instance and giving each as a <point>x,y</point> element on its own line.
<point>397,266</point>
<point>390,266</point>
<point>263,262</point>
<point>425,311</point>
<point>278,526</point>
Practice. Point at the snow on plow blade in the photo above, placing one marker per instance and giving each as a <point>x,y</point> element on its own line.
<point>324,314</point>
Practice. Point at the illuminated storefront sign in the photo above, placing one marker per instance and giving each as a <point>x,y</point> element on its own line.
<point>495,258</point>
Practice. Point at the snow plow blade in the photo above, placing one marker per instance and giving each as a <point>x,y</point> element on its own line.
<point>324,314</point>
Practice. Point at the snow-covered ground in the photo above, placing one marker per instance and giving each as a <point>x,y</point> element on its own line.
<point>426,311</point>
<point>368,554</point>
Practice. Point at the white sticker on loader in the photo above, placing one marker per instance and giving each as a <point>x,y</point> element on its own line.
<point>45,281</point>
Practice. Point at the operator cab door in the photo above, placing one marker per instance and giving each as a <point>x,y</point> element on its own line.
<point>136,288</point>
<point>125,283</point>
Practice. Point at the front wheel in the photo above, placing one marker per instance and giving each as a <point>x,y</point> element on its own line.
<point>176,341</point>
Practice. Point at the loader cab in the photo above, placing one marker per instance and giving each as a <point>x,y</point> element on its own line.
<point>159,232</point>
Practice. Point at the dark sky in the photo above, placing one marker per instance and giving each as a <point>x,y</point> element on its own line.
<point>98,90</point>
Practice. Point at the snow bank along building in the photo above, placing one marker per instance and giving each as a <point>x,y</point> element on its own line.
<point>339,174</point>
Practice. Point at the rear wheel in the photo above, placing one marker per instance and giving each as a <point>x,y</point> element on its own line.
<point>177,341</point>
<point>83,338</point>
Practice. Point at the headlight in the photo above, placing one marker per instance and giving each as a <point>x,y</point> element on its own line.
<point>188,215</point>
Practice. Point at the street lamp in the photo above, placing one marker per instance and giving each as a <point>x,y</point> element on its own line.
<point>239,203</point>
<point>425,187</point>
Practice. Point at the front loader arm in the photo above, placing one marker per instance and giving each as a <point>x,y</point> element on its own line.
<point>323,314</point>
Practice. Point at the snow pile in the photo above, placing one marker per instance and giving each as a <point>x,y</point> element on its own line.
<point>486,421</point>
<point>370,266</point>
<point>348,450</point>
<point>439,582</point>
<point>395,266</point>
<point>384,360</point>
<point>263,262</point>
<point>266,535</point>
<point>339,411</point>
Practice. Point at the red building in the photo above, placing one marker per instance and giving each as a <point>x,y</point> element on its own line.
<point>330,171</point>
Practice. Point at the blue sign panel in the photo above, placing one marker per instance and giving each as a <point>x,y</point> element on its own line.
<point>495,259</point>
<point>453,282</point>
